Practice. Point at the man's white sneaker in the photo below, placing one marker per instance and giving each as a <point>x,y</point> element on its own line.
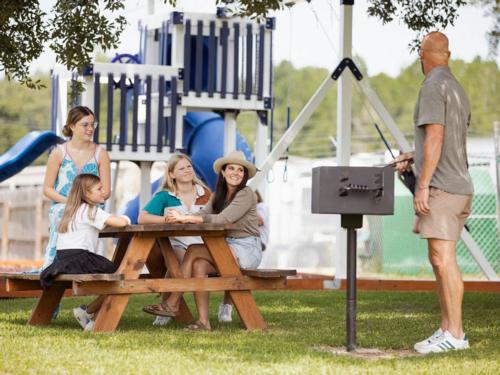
<point>225,311</point>
<point>436,335</point>
<point>445,343</point>
<point>90,326</point>
<point>82,316</point>
<point>162,320</point>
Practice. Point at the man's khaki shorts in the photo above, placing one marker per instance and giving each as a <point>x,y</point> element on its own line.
<point>447,216</point>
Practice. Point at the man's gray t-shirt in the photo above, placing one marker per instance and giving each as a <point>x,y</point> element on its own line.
<point>442,100</point>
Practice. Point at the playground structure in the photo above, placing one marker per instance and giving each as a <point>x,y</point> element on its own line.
<point>188,63</point>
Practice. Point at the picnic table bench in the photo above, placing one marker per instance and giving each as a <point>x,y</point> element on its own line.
<point>149,245</point>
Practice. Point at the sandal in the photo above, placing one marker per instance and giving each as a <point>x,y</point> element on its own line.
<point>160,309</point>
<point>197,327</point>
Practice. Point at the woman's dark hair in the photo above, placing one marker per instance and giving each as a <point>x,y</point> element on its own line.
<point>220,194</point>
<point>75,115</point>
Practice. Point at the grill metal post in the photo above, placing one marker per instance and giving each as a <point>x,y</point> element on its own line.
<point>351,223</point>
<point>351,290</point>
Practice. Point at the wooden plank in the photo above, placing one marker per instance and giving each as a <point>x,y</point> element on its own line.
<point>121,248</point>
<point>25,293</point>
<point>305,284</point>
<point>166,230</point>
<point>268,273</point>
<point>20,275</point>
<point>63,277</point>
<point>12,285</point>
<point>216,284</point>
<point>133,261</point>
<point>226,265</point>
<point>46,304</point>
<point>420,285</point>
<point>174,270</point>
<point>316,283</point>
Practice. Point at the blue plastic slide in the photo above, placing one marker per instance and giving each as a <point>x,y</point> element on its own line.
<point>25,151</point>
<point>204,142</point>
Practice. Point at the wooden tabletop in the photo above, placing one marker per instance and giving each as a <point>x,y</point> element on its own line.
<point>167,230</point>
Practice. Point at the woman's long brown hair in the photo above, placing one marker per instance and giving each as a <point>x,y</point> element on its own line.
<point>77,196</point>
<point>222,198</point>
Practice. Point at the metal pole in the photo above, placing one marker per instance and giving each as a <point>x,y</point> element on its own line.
<point>351,290</point>
<point>344,109</point>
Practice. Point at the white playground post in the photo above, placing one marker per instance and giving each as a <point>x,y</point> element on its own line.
<point>62,96</point>
<point>229,131</point>
<point>261,148</point>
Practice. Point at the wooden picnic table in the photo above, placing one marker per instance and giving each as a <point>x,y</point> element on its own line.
<point>149,245</point>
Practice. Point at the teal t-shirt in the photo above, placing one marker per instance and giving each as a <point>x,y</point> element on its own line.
<point>160,201</point>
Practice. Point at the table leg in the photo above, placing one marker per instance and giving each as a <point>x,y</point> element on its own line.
<point>121,248</point>
<point>48,301</point>
<point>133,261</point>
<point>243,300</point>
<point>174,270</point>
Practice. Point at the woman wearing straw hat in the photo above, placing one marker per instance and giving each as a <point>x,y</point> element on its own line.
<point>232,202</point>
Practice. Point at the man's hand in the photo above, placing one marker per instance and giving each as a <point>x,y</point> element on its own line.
<point>403,162</point>
<point>421,202</point>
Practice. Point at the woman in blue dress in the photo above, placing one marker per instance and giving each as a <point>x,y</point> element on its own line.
<point>76,156</point>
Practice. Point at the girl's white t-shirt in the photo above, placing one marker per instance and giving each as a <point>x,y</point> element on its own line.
<point>83,233</point>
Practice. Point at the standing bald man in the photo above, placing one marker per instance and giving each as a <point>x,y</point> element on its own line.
<point>444,189</point>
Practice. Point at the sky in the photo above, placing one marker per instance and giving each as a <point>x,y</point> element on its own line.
<point>309,35</point>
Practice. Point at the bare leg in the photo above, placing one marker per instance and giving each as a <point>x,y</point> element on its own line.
<point>179,253</point>
<point>442,254</point>
<point>442,305</point>
<point>95,305</point>
<point>193,252</point>
<point>201,269</point>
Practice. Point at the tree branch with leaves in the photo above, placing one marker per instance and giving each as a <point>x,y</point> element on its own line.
<point>73,30</point>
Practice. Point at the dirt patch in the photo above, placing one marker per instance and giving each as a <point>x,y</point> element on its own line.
<point>369,353</point>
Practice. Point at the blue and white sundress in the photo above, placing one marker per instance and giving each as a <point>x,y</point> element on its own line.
<point>68,170</point>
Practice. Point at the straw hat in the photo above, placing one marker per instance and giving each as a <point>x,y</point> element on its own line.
<point>235,157</point>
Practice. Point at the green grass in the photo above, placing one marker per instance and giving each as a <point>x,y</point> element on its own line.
<point>300,322</point>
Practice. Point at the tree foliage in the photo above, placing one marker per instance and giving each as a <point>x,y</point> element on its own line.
<point>73,30</point>
<point>22,37</point>
<point>420,16</point>
<point>492,10</point>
